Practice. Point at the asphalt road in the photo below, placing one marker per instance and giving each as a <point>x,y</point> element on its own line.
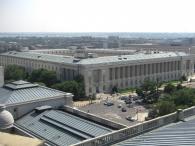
<point>114,112</point>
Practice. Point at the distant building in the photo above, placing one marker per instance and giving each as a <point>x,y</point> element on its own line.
<point>21,97</point>
<point>101,74</point>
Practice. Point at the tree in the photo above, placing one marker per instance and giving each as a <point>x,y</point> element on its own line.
<point>114,89</point>
<point>44,76</point>
<point>185,97</point>
<point>72,87</point>
<point>139,92</point>
<point>165,107</point>
<point>81,85</point>
<point>79,78</point>
<point>179,86</point>
<point>148,91</point>
<point>184,78</point>
<point>75,86</point>
<point>14,72</point>
<point>169,88</point>
<point>152,114</point>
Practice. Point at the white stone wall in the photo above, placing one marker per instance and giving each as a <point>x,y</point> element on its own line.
<point>157,69</point>
<point>22,109</point>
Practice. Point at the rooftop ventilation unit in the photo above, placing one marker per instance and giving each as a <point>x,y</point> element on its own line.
<point>42,108</point>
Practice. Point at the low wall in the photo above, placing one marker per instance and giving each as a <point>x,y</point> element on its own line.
<point>137,129</point>
<point>129,132</point>
<point>95,118</point>
<point>189,112</point>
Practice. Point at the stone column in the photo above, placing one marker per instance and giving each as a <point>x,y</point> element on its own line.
<point>113,73</point>
<point>133,71</point>
<point>180,115</point>
<point>127,72</point>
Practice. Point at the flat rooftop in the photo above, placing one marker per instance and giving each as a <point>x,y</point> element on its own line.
<point>99,60</point>
<point>60,128</point>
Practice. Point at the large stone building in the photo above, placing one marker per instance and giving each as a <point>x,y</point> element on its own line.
<point>101,74</point>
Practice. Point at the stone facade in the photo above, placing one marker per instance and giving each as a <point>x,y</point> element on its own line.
<point>133,74</point>
<point>101,75</point>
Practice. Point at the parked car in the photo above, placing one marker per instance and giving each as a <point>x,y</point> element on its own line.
<point>139,101</point>
<point>123,109</point>
<point>108,103</point>
<point>124,98</point>
<point>128,101</point>
<point>135,98</point>
<point>129,118</point>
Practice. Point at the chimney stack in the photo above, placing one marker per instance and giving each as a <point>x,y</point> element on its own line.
<point>1,76</point>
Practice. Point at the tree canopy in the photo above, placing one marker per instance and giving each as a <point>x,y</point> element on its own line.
<point>44,76</point>
<point>14,72</point>
<point>169,88</point>
<point>148,91</point>
<point>75,86</point>
<point>179,98</point>
<point>165,107</point>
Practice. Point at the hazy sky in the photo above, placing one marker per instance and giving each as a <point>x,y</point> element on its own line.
<point>97,15</point>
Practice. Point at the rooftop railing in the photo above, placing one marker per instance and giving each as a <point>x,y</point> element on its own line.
<point>137,129</point>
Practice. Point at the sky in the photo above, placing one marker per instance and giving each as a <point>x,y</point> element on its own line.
<point>97,16</point>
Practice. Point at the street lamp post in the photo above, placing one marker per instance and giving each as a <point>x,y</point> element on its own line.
<point>136,110</point>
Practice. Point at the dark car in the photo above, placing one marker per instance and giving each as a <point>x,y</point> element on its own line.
<point>123,109</point>
<point>108,103</point>
<point>124,98</point>
<point>128,101</point>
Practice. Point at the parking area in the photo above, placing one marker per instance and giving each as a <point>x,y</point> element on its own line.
<point>115,109</point>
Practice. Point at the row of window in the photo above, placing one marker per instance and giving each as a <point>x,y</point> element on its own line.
<point>23,62</point>
<point>138,82</point>
<point>143,69</point>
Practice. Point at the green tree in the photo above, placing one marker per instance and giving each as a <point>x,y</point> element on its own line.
<point>165,107</point>
<point>44,76</point>
<point>184,78</point>
<point>184,97</point>
<point>114,89</point>
<point>14,72</point>
<point>81,85</point>
<point>79,78</point>
<point>75,86</point>
<point>72,87</point>
<point>169,88</point>
<point>179,86</point>
<point>139,92</point>
<point>148,91</point>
